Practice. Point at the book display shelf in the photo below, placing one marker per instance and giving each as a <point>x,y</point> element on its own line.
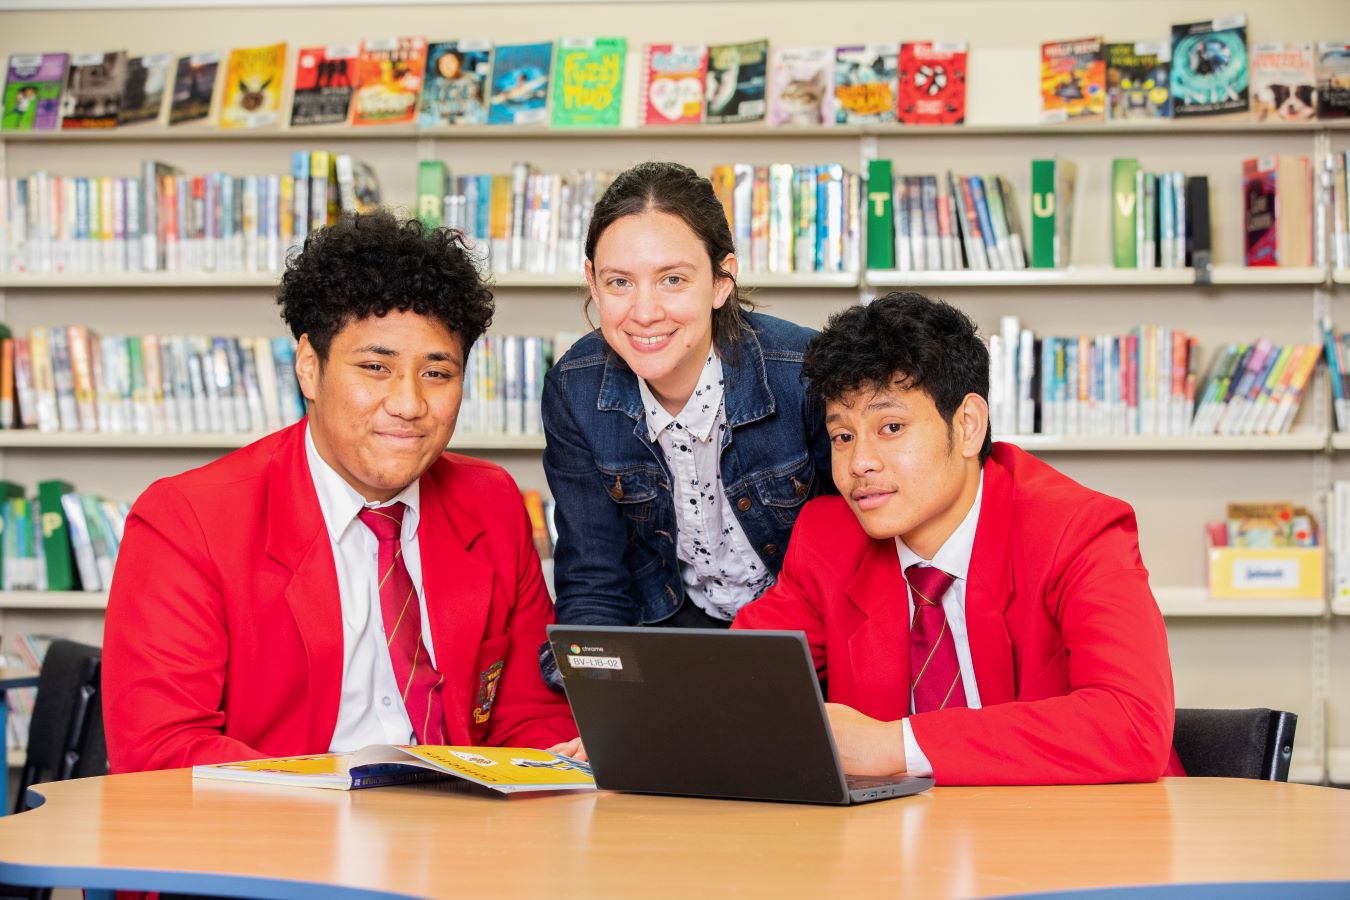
<point>1283,653</point>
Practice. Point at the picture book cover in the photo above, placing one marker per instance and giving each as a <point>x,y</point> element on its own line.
<point>454,91</point>
<point>1283,82</point>
<point>388,80</point>
<point>673,84</point>
<point>865,83</point>
<point>518,87</point>
<point>736,81</point>
<point>504,769</point>
<point>588,82</point>
<point>33,91</point>
<point>800,86</point>
<point>1210,75</point>
<point>932,83</point>
<point>93,91</point>
<point>144,89</point>
<point>194,84</point>
<point>1333,80</point>
<point>1259,212</point>
<point>1137,75</point>
<point>252,93</point>
<point>325,78</point>
<point>1073,81</point>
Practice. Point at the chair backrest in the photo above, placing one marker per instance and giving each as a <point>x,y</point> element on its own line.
<point>65,737</point>
<point>1235,743</point>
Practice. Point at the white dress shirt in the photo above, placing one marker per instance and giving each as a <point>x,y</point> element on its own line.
<point>720,569</point>
<point>953,557</point>
<point>371,709</point>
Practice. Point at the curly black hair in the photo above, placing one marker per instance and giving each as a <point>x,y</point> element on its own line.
<point>906,340</point>
<point>372,263</point>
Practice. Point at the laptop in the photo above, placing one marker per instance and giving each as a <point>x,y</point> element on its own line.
<point>708,713</point>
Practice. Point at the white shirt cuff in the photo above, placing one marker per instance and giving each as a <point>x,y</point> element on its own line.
<point>915,762</point>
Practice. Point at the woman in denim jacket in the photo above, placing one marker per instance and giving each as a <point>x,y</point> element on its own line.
<point>681,442</point>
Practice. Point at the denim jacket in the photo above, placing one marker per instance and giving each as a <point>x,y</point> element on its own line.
<point>615,560</point>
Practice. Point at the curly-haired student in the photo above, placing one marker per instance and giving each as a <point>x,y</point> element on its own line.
<point>344,581</point>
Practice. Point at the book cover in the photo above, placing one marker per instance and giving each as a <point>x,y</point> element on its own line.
<point>736,81</point>
<point>93,91</point>
<point>1209,68</point>
<point>1283,82</point>
<point>62,574</point>
<point>454,91</point>
<point>1333,80</point>
<point>324,80</point>
<point>1276,204</point>
<point>33,92</point>
<point>194,84</point>
<point>252,93</point>
<point>880,215</point>
<point>673,84</point>
<point>388,80</point>
<point>146,83</point>
<point>866,83</point>
<point>503,769</point>
<point>588,82</point>
<point>932,83</point>
<point>1137,76</point>
<point>518,87</point>
<point>800,86</point>
<point>1073,81</point>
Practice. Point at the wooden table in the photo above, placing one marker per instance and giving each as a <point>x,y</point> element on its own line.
<point>9,679</point>
<point>160,830</point>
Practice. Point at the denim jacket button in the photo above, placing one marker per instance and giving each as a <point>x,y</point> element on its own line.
<point>743,504</point>
<point>770,549</point>
<point>616,492</point>
<point>798,488</point>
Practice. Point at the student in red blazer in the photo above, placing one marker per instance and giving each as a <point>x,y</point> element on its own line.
<point>225,628</point>
<point>1064,640</point>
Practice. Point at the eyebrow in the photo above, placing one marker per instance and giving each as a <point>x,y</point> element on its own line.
<point>434,356</point>
<point>615,270</point>
<point>874,406</point>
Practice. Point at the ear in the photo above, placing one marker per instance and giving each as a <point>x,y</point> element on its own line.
<point>307,368</point>
<point>723,285</point>
<point>971,423</point>
<point>590,278</point>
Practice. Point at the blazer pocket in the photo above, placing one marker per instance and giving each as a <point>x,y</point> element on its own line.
<point>487,679</point>
<point>1051,681</point>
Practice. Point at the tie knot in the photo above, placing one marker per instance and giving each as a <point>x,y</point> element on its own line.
<point>386,522</point>
<point>928,583</point>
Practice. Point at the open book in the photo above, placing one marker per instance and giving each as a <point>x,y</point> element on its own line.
<point>505,769</point>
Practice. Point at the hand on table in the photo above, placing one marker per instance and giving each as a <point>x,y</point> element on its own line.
<point>866,746</point>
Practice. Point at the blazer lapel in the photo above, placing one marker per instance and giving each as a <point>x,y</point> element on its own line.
<point>878,647</point>
<point>298,540</point>
<point>989,590</point>
<point>457,583</point>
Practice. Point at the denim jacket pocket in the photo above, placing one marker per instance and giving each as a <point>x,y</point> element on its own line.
<point>635,490</point>
<point>783,490</point>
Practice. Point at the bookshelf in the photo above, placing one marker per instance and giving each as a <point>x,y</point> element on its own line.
<point>1277,653</point>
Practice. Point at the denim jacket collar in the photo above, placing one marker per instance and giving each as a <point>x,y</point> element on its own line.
<point>746,394</point>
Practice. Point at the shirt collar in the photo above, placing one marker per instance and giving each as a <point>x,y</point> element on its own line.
<point>701,410</point>
<point>953,557</point>
<point>339,502</point>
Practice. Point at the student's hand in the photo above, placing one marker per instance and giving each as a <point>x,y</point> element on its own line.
<point>573,748</point>
<point>866,746</point>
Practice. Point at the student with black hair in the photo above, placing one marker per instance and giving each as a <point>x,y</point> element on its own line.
<point>979,616</point>
<point>343,581</point>
<point>681,441</point>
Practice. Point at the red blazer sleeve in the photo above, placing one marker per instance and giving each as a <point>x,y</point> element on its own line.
<point>165,644</point>
<point>1114,723</point>
<point>527,713</point>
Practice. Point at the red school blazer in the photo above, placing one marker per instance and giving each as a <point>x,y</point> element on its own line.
<point>223,637</point>
<point>1068,645</point>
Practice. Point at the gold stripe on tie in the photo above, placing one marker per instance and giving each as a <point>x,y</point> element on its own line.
<point>412,671</point>
<point>426,719</point>
<point>931,651</point>
<point>398,551</point>
<point>950,689</point>
<point>385,515</point>
<point>389,640</point>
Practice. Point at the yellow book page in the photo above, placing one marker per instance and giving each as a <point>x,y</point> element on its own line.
<point>506,766</point>
<point>316,764</point>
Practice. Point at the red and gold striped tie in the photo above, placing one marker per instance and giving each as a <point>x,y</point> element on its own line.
<point>418,680</point>
<point>934,673</point>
